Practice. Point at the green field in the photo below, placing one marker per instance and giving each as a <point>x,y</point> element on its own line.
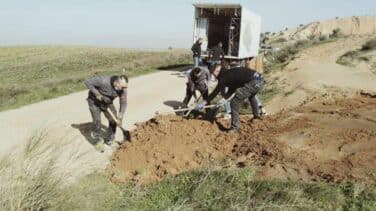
<point>30,74</point>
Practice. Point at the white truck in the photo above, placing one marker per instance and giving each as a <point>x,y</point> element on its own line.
<point>236,27</point>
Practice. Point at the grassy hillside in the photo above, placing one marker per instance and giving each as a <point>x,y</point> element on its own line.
<point>35,73</point>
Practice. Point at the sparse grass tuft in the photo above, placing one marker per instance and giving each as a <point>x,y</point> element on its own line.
<point>30,182</point>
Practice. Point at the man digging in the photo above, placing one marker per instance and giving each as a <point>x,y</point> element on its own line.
<point>245,83</point>
<point>102,92</point>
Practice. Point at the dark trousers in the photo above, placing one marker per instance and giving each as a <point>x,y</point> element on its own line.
<point>249,90</point>
<point>189,93</point>
<point>96,108</point>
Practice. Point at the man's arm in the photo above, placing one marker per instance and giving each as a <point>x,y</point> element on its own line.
<point>92,83</point>
<point>123,103</point>
<point>220,86</point>
<point>223,54</point>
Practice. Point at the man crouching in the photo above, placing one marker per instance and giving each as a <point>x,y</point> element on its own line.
<point>102,92</point>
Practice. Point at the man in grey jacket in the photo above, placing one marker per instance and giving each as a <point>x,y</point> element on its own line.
<point>102,92</point>
<point>198,79</point>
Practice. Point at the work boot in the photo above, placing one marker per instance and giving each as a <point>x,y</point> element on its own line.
<point>99,146</point>
<point>256,119</point>
<point>110,139</point>
<point>263,111</point>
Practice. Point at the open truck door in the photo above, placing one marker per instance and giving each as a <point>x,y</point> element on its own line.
<point>201,31</point>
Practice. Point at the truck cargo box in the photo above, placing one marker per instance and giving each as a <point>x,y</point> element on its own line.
<point>236,27</point>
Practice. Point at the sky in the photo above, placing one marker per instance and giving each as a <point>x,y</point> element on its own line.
<point>146,23</point>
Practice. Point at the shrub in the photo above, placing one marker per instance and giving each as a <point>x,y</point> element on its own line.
<point>337,33</point>
<point>369,45</point>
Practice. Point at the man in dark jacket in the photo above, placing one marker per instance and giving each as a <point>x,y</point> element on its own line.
<point>198,79</point>
<point>196,50</point>
<point>217,54</point>
<point>102,92</point>
<point>244,83</point>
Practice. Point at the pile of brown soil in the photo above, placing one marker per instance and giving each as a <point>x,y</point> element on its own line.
<point>328,140</point>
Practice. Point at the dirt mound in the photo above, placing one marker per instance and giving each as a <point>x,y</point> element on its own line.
<point>326,140</point>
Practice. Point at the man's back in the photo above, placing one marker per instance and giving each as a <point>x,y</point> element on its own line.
<point>237,77</point>
<point>217,53</point>
<point>196,49</point>
<point>102,84</point>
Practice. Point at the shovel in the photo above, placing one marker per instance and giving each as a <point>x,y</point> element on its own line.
<point>194,105</point>
<point>126,134</point>
<point>183,109</point>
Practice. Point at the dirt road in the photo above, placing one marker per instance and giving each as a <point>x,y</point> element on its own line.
<point>69,117</point>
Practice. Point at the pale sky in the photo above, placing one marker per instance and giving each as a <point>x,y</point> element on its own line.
<point>146,23</point>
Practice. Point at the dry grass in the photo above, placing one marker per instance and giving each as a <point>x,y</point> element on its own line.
<point>32,178</point>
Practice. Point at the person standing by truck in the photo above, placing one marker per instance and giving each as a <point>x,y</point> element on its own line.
<point>196,50</point>
<point>217,54</point>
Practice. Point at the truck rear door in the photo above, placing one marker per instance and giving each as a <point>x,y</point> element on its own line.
<point>202,32</point>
